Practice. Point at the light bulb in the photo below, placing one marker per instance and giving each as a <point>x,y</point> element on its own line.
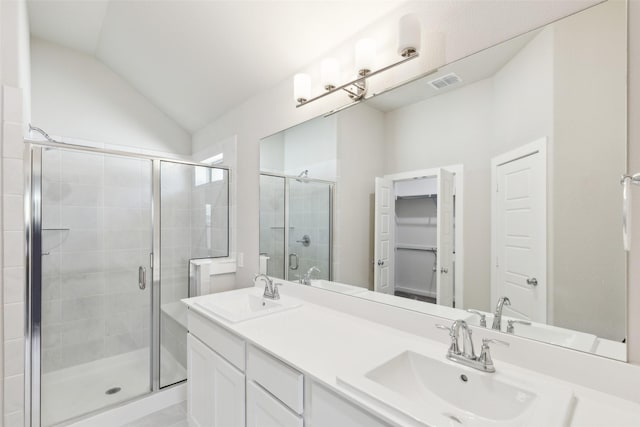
<point>301,87</point>
<point>365,56</point>
<point>330,71</point>
<point>408,35</point>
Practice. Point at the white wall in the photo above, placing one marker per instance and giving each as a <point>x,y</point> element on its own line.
<point>453,128</point>
<point>360,158</point>
<point>589,277</point>
<point>76,96</point>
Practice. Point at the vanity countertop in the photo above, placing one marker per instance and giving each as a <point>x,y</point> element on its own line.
<point>324,344</point>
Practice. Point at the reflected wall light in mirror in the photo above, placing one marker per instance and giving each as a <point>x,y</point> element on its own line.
<point>409,38</point>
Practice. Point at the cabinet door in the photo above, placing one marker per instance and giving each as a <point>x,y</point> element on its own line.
<point>331,410</point>
<point>264,410</point>
<point>215,389</point>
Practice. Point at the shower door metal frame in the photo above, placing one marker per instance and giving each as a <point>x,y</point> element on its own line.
<point>33,271</point>
<point>287,179</point>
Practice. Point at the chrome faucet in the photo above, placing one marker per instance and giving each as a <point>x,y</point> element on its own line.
<point>467,355</point>
<point>306,279</point>
<point>270,288</point>
<point>497,316</point>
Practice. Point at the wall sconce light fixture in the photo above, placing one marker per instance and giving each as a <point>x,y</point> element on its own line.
<point>409,35</point>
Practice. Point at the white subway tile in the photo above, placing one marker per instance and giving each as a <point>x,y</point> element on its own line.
<point>13,141</point>
<point>14,357</point>
<point>13,321</point>
<point>13,209</point>
<point>13,176</point>
<point>14,419</point>
<point>13,394</point>
<point>14,285</point>
<point>12,104</point>
<point>13,249</point>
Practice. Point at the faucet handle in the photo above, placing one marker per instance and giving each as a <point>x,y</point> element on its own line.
<point>483,317</point>
<point>453,348</point>
<point>485,354</point>
<point>276,293</point>
<point>510,323</point>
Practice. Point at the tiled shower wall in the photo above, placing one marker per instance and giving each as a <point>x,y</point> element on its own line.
<point>272,223</point>
<point>309,213</point>
<point>12,258</point>
<point>96,233</point>
<point>194,224</point>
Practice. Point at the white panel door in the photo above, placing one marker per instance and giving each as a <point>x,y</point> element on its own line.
<point>520,236</point>
<point>215,388</point>
<point>444,266</point>
<point>385,224</point>
<point>264,410</point>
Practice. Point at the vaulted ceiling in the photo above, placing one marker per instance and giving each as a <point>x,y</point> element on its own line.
<point>197,59</point>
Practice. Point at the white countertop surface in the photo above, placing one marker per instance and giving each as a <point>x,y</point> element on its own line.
<point>324,343</point>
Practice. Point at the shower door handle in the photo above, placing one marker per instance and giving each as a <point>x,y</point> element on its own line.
<point>293,256</point>
<point>142,277</point>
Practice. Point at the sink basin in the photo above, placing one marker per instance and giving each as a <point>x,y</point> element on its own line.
<point>238,306</point>
<point>337,287</point>
<point>547,333</point>
<point>437,392</point>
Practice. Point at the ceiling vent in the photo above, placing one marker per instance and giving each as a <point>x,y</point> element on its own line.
<point>445,81</point>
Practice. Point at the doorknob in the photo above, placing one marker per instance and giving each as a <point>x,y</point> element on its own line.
<point>380,263</point>
<point>532,281</point>
<point>444,270</point>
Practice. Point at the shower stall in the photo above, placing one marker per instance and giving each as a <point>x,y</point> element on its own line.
<point>296,222</point>
<point>110,237</point>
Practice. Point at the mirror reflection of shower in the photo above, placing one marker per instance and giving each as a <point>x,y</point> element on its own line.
<point>295,225</point>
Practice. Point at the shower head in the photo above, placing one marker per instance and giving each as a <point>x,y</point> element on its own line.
<point>303,174</point>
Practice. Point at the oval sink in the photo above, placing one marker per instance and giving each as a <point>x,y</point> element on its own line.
<point>438,392</point>
<point>240,305</point>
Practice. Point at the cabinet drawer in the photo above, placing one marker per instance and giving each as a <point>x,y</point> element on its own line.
<point>218,339</point>
<point>263,410</point>
<point>281,380</point>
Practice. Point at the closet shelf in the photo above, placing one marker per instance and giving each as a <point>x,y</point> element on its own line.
<point>415,221</point>
<point>410,247</point>
<point>417,196</point>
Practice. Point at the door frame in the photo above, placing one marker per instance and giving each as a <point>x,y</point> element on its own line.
<point>537,146</point>
<point>458,171</point>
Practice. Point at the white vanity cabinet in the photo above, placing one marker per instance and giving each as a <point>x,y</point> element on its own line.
<point>215,375</point>
<point>228,379</point>
<point>327,409</point>
<point>216,389</point>
<point>275,392</point>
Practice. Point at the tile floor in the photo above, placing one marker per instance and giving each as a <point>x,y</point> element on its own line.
<point>173,416</point>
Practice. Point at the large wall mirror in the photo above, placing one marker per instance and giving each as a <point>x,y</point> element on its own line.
<point>490,186</point>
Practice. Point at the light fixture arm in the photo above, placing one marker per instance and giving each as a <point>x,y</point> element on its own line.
<point>360,82</point>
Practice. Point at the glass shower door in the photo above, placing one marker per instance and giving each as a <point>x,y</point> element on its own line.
<point>96,235</point>
<point>309,241</point>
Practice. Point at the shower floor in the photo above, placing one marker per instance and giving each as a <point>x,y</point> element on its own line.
<point>78,390</point>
